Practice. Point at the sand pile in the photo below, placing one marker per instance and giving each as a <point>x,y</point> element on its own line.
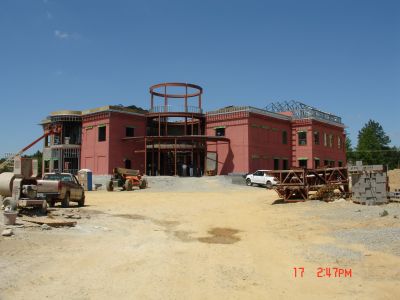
<point>394,179</point>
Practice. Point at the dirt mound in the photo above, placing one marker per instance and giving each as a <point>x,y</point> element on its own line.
<point>394,179</point>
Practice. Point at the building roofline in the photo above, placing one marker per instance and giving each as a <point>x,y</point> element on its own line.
<point>66,113</point>
<point>112,108</point>
<point>45,121</point>
<point>235,109</point>
<point>251,109</point>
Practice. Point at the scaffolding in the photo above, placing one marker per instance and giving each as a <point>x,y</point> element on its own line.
<point>303,184</point>
<point>62,151</point>
<point>302,111</point>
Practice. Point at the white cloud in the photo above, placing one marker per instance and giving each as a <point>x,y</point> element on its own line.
<point>61,35</point>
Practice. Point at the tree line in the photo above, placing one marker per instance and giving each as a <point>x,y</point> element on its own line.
<point>373,147</point>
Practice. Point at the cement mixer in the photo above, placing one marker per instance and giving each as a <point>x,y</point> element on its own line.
<point>19,188</point>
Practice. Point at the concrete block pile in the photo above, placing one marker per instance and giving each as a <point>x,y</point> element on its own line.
<point>369,184</point>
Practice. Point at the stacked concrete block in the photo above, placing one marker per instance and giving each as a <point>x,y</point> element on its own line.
<point>395,196</point>
<point>369,184</point>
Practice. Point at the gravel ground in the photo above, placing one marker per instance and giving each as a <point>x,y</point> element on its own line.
<point>382,239</point>
<point>191,184</point>
<point>332,253</point>
<point>378,232</point>
<point>348,210</point>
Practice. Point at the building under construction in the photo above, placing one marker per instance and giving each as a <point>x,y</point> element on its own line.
<point>176,137</point>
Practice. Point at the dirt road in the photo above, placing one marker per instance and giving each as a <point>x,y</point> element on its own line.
<point>210,240</point>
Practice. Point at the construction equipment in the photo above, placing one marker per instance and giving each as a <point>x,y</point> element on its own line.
<point>19,188</point>
<point>49,131</point>
<point>126,179</point>
<point>303,184</point>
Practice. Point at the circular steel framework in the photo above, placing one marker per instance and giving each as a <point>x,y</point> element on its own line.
<point>154,90</point>
<point>171,143</point>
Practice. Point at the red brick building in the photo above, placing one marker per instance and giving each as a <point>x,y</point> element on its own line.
<point>263,139</point>
<point>162,140</point>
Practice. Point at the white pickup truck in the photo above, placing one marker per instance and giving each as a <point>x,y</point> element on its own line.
<point>260,177</point>
<point>61,187</point>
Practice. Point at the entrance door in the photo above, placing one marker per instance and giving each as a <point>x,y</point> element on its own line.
<point>128,164</point>
<point>212,160</point>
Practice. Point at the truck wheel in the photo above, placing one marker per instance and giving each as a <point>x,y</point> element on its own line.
<point>81,202</point>
<point>10,204</point>
<point>128,185</point>
<point>65,201</point>
<point>110,186</point>
<point>143,184</point>
<point>50,201</point>
<point>43,209</point>
<point>248,182</point>
<point>269,185</point>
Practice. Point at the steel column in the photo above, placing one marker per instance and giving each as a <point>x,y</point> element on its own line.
<point>145,156</point>
<point>175,159</point>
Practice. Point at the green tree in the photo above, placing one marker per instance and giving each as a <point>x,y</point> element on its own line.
<point>349,149</point>
<point>393,158</point>
<point>373,144</point>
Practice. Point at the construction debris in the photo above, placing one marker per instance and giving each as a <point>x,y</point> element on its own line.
<point>7,232</point>
<point>49,221</point>
<point>45,227</point>
<point>395,196</point>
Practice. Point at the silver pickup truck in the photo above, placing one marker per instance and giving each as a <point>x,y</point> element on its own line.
<point>63,187</point>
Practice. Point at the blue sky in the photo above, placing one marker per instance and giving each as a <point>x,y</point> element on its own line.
<point>342,56</point>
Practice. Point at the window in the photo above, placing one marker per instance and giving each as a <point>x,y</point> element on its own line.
<point>285,164</point>
<point>302,135</point>
<point>331,140</point>
<point>284,137</point>
<point>46,166</point>
<point>129,132</point>
<point>340,164</point>
<point>316,137</point>
<point>339,142</point>
<point>128,164</point>
<point>219,131</point>
<point>316,163</point>
<point>326,163</point>
<point>303,163</point>
<point>276,164</point>
<point>55,166</point>
<point>325,139</point>
<point>102,134</point>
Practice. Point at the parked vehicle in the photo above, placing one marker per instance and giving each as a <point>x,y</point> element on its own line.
<point>260,177</point>
<point>61,187</point>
